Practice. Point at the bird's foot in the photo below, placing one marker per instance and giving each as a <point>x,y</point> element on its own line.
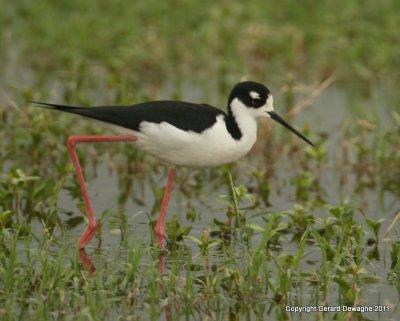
<point>160,239</point>
<point>160,236</point>
<point>87,235</point>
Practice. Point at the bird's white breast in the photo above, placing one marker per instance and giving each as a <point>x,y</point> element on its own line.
<point>212,147</point>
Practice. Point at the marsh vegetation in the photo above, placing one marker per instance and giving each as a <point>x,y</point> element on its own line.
<point>287,226</point>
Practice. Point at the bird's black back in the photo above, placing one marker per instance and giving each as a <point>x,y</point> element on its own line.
<point>183,115</point>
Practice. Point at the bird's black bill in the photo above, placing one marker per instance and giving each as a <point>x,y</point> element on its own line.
<point>283,122</point>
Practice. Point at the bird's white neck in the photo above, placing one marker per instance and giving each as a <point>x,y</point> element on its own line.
<point>245,119</point>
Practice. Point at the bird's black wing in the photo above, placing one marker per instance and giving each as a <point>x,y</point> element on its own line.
<point>183,115</point>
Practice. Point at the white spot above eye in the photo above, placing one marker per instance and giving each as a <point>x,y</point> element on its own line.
<point>254,95</point>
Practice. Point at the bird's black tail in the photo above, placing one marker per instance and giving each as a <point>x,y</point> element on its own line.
<point>71,109</point>
<point>105,114</point>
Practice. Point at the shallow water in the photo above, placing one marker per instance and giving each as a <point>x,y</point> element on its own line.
<point>326,115</point>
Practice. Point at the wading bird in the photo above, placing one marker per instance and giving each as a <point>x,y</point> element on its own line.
<point>178,133</point>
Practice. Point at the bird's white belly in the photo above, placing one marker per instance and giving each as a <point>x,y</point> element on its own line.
<point>213,147</point>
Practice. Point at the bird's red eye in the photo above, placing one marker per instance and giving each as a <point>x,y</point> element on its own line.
<point>257,101</point>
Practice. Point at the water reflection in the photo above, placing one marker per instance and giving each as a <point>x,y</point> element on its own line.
<point>87,262</point>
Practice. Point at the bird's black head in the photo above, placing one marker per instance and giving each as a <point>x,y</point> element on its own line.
<point>250,93</point>
<point>253,99</point>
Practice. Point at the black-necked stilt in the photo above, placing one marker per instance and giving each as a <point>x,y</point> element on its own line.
<point>180,134</point>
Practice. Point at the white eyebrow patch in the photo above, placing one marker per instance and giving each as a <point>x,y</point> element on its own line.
<point>254,95</point>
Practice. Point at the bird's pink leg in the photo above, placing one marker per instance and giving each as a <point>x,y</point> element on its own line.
<point>160,233</point>
<point>72,141</point>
